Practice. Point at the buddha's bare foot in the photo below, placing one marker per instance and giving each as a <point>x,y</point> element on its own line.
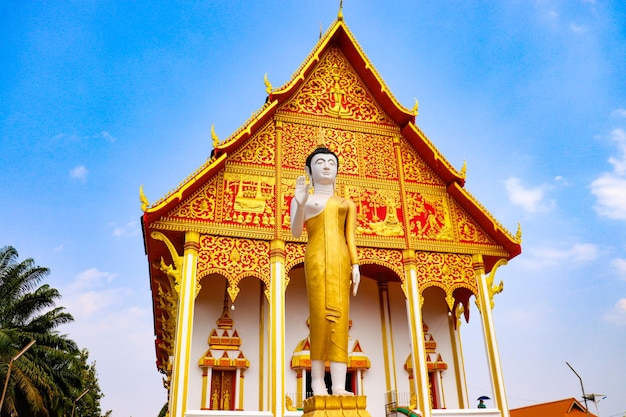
<point>342,392</point>
<point>319,389</point>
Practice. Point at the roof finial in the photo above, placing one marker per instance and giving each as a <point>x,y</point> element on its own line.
<point>216,140</point>
<point>340,14</point>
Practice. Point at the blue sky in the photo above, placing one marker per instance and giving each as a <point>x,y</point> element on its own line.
<point>100,97</point>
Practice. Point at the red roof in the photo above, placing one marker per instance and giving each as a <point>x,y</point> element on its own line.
<point>561,408</point>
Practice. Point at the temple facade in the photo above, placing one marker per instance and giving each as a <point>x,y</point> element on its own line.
<point>226,274</point>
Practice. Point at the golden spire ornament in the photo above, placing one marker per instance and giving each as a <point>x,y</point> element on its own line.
<point>320,138</point>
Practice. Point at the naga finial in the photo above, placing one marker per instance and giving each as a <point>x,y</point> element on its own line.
<point>340,14</point>
<point>143,199</point>
<point>268,85</point>
<point>216,140</point>
<point>415,108</point>
<point>518,234</point>
<point>464,169</point>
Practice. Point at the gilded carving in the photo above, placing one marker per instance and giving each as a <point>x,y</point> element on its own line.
<point>447,271</point>
<point>494,289</point>
<point>300,139</point>
<point>174,270</point>
<point>168,299</point>
<point>414,168</point>
<point>248,199</point>
<point>344,143</point>
<point>259,149</point>
<point>143,199</point>
<point>467,228</point>
<point>378,211</point>
<point>294,255</point>
<point>388,258</point>
<point>378,156</point>
<point>334,89</point>
<point>168,302</point>
<point>429,216</point>
<point>287,186</point>
<point>234,259</point>
<point>201,205</point>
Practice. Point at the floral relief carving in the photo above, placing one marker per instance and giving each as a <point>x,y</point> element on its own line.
<point>234,258</point>
<point>334,89</point>
<point>415,169</point>
<point>259,149</point>
<point>201,205</point>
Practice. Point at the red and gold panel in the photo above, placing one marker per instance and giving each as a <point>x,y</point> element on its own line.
<point>248,199</point>
<point>299,140</point>
<point>294,255</point>
<point>258,150</point>
<point>234,258</point>
<point>467,229</point>
<point>287,187</point>
<point>378,156</point>
<point>415,169</point>
<point>388,258</point>
<point>379,210</point>
<point>335,89</point>
<point>201,206</point>
<point>429,216</point>
<point>447,271</point>
<point>344,144</point>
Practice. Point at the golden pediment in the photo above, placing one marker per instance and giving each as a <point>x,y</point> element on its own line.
<point>335,89</point>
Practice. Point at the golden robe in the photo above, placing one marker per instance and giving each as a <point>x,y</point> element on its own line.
<point>330,254</point>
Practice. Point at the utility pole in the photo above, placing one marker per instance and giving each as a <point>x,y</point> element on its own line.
<point>581,387</point>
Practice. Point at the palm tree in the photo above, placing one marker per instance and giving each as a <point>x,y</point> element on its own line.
<point>42,381</point>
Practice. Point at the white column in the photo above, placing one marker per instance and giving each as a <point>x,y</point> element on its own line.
<point>277,327</point>
<point>418,349</point>
<point>184,325</point>
<point>489,333</point>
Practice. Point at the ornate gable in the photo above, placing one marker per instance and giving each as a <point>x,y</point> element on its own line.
<point>335,89</point>
<point>407,194</point>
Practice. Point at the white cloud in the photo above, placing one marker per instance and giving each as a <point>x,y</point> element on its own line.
<point>106,136</point>
<point>92,292</point>
<point>130,229</point>
<point>618,314</point>
<point>79,173</point>
<point>530,199</point>
<point>88,303</point>
<point>92,278</point>
<point>610,187</point>
<point>619,113</point>
<point>577,29</point>
<point>620,266</point>
<point>619,163</point>
<point>540,257</point>
<point>610,192</point>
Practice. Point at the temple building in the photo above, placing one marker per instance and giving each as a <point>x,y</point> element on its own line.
<point>227,277</point>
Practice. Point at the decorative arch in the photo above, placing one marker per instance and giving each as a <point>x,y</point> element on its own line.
<point>234,259</point>
<point>448,271</point>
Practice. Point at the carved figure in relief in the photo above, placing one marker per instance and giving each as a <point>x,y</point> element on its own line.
<point>330,265</point>
<point>338,99</point>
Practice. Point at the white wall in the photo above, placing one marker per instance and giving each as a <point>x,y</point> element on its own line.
<point>208,308</point>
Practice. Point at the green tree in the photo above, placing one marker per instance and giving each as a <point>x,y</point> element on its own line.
<point>45,380</point>
<point>89,403</point>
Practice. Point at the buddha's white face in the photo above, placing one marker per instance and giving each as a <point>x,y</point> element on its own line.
<point>323,169</point>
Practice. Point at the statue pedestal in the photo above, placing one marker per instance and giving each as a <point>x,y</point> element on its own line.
<point>335,406</point>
